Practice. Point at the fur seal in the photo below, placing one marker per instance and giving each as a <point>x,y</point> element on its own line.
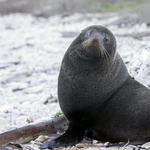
<point>97,95</point>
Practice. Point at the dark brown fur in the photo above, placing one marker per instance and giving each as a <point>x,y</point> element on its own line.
<point>97,95</point>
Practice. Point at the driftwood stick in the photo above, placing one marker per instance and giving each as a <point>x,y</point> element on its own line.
<point>31,132</point>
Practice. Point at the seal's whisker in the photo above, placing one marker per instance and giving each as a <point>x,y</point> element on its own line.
<point>71,52</point>
<point>84,45</point>
<point>75,48</point>
<point>106,56</point>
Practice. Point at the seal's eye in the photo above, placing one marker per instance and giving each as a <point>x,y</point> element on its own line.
<point>106,40</point>
<point>89,33</point>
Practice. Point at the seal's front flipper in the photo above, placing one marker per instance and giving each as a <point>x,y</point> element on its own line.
<point>72,136</point>
<point>62,141</point>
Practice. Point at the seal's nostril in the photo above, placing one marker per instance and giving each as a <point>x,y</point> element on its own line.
<point>95,40</point>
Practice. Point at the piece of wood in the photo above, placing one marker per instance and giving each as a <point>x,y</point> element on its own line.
<point>32,131</point>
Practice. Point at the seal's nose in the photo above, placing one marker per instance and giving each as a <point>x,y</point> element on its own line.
<point>95,40</point>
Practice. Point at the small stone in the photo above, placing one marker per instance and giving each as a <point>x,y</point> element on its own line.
<point>146,145</point>
<point>95,141</point>
<point>80,145</point>
<point>36,146</point>
<point>42,138</point>
<point>68,148</point>
<point>100,144</point>
<point>74,148</point>
<point>25,103</point>
<point>61,148</point>
<point>27,148</point>
<point>106,143</point>
<point>38,143</point>
<point>94,146</point>
<point>51,99</point>
<point>30,120</point>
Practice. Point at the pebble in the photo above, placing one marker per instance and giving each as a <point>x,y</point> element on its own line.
<point>80,145</point>
<point>27,148</point>
<point>68,148</point>
<point>42,138</point>
<point>146,145</point>
<point>61,148</point>
<point>95,141</point>
<point>106,143</point>
<point>37,143</point>
<point>100,144</point>
<point>74,148</point>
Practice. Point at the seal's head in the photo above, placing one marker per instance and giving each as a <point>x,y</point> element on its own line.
<point>94,42</point>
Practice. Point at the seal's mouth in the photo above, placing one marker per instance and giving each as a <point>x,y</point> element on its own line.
<point>93,46</point>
